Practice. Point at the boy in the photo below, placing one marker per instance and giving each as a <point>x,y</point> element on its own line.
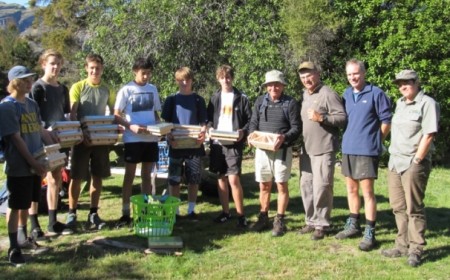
<point>139,101</point>
<point>228,110</point>
<point>53,100</point>
<point>185,107</point>
<point>89,97</point>
<point>22,135</point>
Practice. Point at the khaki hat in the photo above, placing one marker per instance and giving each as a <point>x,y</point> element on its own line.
<point>274,76</point>
<point>405,75</point>
<point>308,65</point>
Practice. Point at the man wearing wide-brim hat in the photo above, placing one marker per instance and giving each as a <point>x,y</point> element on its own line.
<point>277,113</point>
<point>414,126</point>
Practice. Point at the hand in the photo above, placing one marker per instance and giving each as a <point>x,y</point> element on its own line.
<point>39,168</point>
<point>279,141</point>
<point>135,128</point>
<point>201,137</point>
<point>314,116</point>
<point>171,140</point>
<point>248,140</point>
<point>86,138</point>
<point>241,135</point>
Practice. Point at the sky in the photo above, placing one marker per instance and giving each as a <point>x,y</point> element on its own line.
<point>21,2</point>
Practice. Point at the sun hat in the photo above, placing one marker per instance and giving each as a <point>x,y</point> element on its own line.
<point>308,65</point>
<point>406,75</point>
<point>19,72</point>
<point>274,76</point>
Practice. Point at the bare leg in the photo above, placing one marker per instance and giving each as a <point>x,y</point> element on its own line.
<point>354,201</point>
<point>264,195</point>
<point>238,193</point>
<point>224,193</point>
<point>283,197</point>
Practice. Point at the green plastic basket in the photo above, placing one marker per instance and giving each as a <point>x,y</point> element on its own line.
<point>154,218</point>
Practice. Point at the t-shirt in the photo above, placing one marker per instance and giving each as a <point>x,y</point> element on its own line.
<point>139,104</point>
<point>92,99</point>
<point>53,101</point>
<point>226,115</point>
<point>29,126</point>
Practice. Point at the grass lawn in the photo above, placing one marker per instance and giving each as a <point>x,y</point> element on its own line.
<point>214,251</point>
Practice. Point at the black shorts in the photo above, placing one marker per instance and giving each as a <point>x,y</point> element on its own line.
<point>141,152</point>
<point>23,191</point>
<point>360,167</point>
<point>225,160</point>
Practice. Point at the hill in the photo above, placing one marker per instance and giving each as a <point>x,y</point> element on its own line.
<point>16,14</point>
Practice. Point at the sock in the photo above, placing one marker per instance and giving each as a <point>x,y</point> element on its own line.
<point>178,211</point>
<point>73,211</point>
<point>370,223</point>
<point>21,234</point>
<point>126,209</point>
<point>266,214</point>
<point>34,221</point>
<point>51,217</point>
<point>354,216</point>
<point>191,207</point>
<point>280,216</point>
<point>93,210</point>
<point>13,240</point>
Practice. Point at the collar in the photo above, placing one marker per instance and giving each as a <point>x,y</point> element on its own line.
<point>316,89</point>
<point>417,99</point>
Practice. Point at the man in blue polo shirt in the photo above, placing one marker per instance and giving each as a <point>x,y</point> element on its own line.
<point>369,121</point>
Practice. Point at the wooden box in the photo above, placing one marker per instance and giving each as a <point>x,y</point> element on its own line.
<point>185,136</point>
<point>224,135</point>
<point>65,125</point>
<point>160,129</point>
<point>263,140</point>
<point>100,139</point>
<point>102,128</point>
<point>51,157</point>
<point>68,138</point>
<point>93,120</point>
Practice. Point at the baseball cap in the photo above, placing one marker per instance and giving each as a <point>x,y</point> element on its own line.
<point>406,75</point>
<point>309,65</point>
<point>19,72</point>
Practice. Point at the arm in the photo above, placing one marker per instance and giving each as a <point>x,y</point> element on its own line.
<point>23,150</point>
<point>48,137</point>
<point>73,111</point>
<point>385,129</point>
<point>294,118</point>
<point>210,113</point>
<point>424,147</point>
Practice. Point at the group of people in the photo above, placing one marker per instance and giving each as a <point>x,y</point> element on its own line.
<point>364,112</point>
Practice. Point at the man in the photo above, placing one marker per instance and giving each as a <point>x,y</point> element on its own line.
<point>139,101</point>
<point>89,97</point>
<point>228,110</point>
<point>414,126</point>
<point>322,114</point>
<point>369,121</point>
<point>187,108</point>
<point>274,112</point>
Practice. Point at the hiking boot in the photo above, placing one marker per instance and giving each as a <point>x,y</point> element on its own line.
<point>71,221</point>
<point>318,234</point>
<point>192,216</point>
<point>31,246</point>
<point>306,229</point>
<point>15,257</point>
<point>124,221</point>
<point>222,218</point>
<point>368,241</point>
<point>279,228</point>
<point>414,260</point>
<point>58,228</point>
<point>261,224</point>
<point>37,234</point>
<point>95,222</point>
<point>394,253</point>
<point>242,222</point>
<point>351,229</point>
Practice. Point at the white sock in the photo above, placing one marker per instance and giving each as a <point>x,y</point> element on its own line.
<point>191,207</point>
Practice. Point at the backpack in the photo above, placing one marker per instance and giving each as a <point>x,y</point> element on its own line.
<point>18,112</point>
<point>3,198</point>
<point>264,105</point>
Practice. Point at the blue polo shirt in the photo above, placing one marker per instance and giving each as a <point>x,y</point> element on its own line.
<point>366,111</point>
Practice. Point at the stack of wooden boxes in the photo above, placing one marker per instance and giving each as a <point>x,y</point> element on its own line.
<point>68,132</point>
<point>100,130</point>
<point>51,157</point>
<point>185,136</point>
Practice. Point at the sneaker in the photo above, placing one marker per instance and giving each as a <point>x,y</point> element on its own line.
<point>261,224</point>
<point>414,260</point>
<point>31,246</point>
<point>368,241</point>
<point>242,222</point>
<point>95,222</point>
<point>279,228</point>
<point>124,221</point>
<point>58,228</point>
<point>351,229</point>
<point>222,218</point>
<point>37,234</point>
<point>318,234</point>
<point>71,221</point>
<point>192,217</point>
<point>306,229</point>
<point>394,253</point>
<point>15,257</point>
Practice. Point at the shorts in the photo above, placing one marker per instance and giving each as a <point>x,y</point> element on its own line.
<point>225,160</point>
<point>360,167</point>
<point>141,152</point>
<point>23,191</point>
<point>95,157</point>
<point>273,165</point>
<point>190,167</point>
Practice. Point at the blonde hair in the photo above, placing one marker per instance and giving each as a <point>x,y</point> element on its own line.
<point>184,73</point>
<point>224,70</point>
<point>14,85</point>
<point>50,52</point>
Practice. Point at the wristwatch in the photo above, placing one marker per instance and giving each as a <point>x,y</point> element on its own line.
<point>417,160</point>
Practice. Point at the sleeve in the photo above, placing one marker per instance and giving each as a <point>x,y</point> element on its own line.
<point>167,113</point>
<point>157,100</point>
<point>294,119</point>
<point>383,107</point>
<point>210,113</point>
<point>111,98</point>
<point>254,121</point>
<point>11,124</point>
<point>120,100</point>
<point>202,117</point>
<point>335,115</point>
<point>37,93</point>
<point>75,92</point>
<point>431,115</point>
<point>246,114</point>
